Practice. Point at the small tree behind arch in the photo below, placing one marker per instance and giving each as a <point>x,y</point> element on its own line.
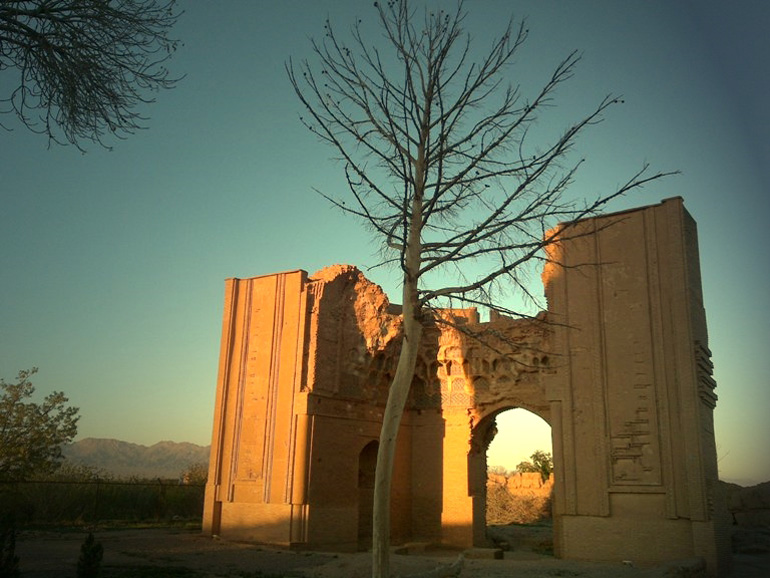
<point>540,462</point>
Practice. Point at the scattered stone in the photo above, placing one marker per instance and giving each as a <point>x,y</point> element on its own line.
<point>442,571</point>
<point>484,553</point>
<point>685,568</point>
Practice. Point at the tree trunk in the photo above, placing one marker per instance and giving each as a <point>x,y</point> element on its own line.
<point>394,410</point>
<point>402,381</point>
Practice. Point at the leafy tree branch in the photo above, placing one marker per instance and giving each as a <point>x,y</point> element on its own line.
<point>32,434</point>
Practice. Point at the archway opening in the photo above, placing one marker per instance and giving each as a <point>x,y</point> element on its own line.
<point>519,482</point>
<point>367,463</point>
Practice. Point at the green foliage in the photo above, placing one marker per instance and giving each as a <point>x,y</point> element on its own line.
<point>32,434</point>
<point>90,561</point>
<point>62,502</point>
<point>72,472</point>
<point>541,462</point>
<point>195,474</point>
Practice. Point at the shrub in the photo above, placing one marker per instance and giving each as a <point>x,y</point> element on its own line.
<point>505,508</point>
<point>90,560</point>
<point>9,561</point>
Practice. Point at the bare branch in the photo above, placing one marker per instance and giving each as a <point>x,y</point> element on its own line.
<point>439,165</point>
<point>85,66</point>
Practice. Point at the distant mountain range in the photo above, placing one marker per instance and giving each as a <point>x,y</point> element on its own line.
<point>123,459</point>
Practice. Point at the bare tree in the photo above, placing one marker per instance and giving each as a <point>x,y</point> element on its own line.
<point>85,65</point>
<point>439,165</point>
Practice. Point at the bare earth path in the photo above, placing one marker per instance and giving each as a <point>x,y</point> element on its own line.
<point>160,553</point>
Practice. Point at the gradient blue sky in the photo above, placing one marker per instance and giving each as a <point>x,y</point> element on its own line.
<point>112,263</point>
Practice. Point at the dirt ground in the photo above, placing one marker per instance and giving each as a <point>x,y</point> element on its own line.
<point>185,553</point>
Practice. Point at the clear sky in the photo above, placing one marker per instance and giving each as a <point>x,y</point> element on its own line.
<point>112,263</point>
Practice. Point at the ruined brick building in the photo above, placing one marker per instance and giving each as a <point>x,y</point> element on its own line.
<point>618,365</point>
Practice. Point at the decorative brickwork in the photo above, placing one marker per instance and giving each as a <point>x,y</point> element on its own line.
<point>618,365</point>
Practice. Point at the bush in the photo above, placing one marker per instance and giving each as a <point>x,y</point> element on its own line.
<point>14,510</point>
<point>505,508</point>
<point>85,502</point>
<point>90,561</point>
<point>9,561</point>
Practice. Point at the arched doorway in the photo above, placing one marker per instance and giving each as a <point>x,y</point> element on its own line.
<point>512,502</point>
<point>367,463</point>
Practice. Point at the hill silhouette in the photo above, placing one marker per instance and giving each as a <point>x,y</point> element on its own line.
<point>165,459</point>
